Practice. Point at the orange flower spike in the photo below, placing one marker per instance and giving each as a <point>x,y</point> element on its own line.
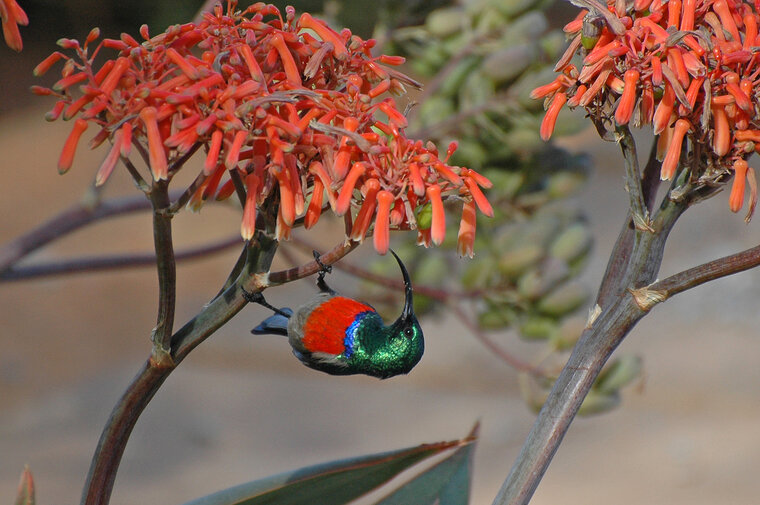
<point>576,24</point>
<point>233,153</point>
<point>286,57</point>
<point>483,204</point>
<point>664,109</point>
<point>250,61</point>
<point>381,236</point>
<point>347,191</point>
<point>114,76</point>
<point>628,98</point>
<point>446,172</point>
<point>732,86</point>
<point>550,118</point>
<point>318,170</point>
<point>663,141</point>
<point>482,180</point>
<point>656,70</point>
<point>726,18</point>
<point>303,123</point>
<point>722,136</point>
<point>70,146</point>
<point>212,183</point>
<point>325,33</point>
<point>282,229</point>
<point>673,155</point>
<point>674,13</point>
<point>364,217</point>
<point>109,163</point>
<point>13,16</point>
<point>693,91</point>
<point>185,66</point>
<point>156,152</point>
<point>315,205</point>
<point>736,200</point>
<point>466,235</point>
<point>43,66</point>
<point>398,214</point>
<point>687,16</point>
<point>394,116</point>
<point>675,62</point>
<point>287,198</point>
<point>438,225</point>
<point>381,88</point>
<point>547,89</point>
<point>574,100</point>
<point>750,31</point>
<point>418,185</point>
<point>212,157</point>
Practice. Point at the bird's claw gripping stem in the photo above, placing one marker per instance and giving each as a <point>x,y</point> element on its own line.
<point>323,270</point>
<point>258,297</point>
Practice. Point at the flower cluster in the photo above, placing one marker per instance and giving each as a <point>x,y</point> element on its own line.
<point>285,108</point>
<point>12,16</point>
<point>690,68</point>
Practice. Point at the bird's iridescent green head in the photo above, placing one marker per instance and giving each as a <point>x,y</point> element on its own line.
<point>385,351</point>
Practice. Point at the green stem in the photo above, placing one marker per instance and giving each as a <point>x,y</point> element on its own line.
<point>167,274</point>
<point>113,440</point>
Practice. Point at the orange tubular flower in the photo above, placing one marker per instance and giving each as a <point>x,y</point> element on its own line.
<point>438,226</point>
<point>70,147</point>
<point>248,225</point>
<point>381,237</point>
<point>466,236</point>
<point>670,163</point>
<point>12,16</point>
<point>550,119</point>
<point>285,103</point>
<point>628,98</point>
<point>736,200</point>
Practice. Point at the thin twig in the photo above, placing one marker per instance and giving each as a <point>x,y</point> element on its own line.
<point>312,267</point>
<point>111,262</point>
<point>692,277</point>
<point>65,222</point>
<point>479,334</point>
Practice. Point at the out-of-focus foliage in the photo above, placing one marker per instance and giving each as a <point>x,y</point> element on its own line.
<point>479,60</point>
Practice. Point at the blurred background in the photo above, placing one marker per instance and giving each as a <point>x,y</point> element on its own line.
<point>241,407</point>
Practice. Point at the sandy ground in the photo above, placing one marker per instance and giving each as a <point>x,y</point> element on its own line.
<point>242,407</point>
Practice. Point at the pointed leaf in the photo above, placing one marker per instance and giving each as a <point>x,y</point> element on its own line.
<point>446,483</point>
<point>335,482</point>
<point>25,493</point>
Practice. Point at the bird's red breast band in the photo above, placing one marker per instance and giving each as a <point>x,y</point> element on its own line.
<point>325,328</point>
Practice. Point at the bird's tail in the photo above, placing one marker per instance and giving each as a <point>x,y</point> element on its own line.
<point>274,325</point>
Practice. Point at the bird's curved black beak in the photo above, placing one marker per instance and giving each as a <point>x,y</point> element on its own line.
<point>408,311</point>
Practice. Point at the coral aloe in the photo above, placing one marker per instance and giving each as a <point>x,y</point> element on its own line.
<point>670,63</point>
<point>285,108</point>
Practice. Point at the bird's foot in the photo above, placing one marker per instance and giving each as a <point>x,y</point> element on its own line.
<point>258,297</point>
<point>323,270</point>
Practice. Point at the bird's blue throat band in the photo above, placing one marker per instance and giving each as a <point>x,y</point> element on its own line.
<point>348,342</point>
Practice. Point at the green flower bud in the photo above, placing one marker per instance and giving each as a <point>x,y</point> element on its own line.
<point>563,300</point>
<point>572,243</point>
<point>538,328</point>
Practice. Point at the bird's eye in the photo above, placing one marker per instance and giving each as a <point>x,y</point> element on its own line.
<point>408,331</point>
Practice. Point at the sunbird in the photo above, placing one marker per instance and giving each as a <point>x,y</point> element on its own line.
<point>341,336</point>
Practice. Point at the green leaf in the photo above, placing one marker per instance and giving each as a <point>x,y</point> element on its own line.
<point>335,482</point>
<point>25,494</point>
<point>446,483</point>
